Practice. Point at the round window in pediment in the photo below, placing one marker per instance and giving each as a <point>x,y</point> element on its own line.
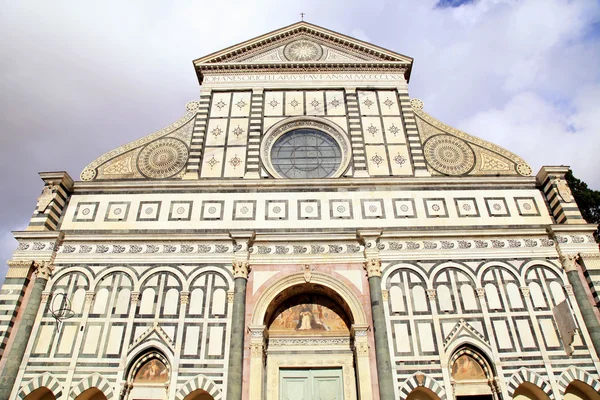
<point>306,153</point>
<point>304,149</point>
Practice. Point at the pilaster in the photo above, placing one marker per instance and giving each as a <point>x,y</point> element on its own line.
<point>412,134</point>
<point>52,201</point>
<point>198,134</point>
<point>257,360</point>
<point>361,355</point>
<point>16,353</point>
<point>254,133</point>
<point>359,158</point>
<point>552,182</point>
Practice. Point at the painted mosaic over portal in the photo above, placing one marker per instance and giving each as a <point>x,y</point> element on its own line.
<point>307,315</point>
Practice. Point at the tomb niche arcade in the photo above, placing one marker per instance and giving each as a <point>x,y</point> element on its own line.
<point>304,230</point>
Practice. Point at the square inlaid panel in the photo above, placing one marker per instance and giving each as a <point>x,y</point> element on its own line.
<point>180,211</point>
<point>117,211</point>
<point>466,207</point>
<point>148,211</point>
<point>86,212</point>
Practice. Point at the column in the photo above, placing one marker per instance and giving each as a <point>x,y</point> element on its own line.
<point>257,360</point>
<point>241,269</point>
<point>382,351</point>
<point>569,263</point>
<point>43,270</point>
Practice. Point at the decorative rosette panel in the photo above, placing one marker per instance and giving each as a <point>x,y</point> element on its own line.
<point>161,155</point>
<point>449,151</point>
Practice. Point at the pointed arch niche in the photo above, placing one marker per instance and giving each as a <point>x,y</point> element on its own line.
<point>148,377</point>
<point>298,317</point>
<point>472,375</point>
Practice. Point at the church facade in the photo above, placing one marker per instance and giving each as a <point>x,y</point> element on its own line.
<point>305,230</point>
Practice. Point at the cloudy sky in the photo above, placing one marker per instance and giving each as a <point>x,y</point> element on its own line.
<point>80,78</point>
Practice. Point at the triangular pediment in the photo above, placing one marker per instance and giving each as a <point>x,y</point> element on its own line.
<point>303,43</point>
<point>464,331</point>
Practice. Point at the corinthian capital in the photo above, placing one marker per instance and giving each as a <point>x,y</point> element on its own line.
<point>569,261</point>
<point>241,269</point>
<point>373,267</point>
<point>43,269</point>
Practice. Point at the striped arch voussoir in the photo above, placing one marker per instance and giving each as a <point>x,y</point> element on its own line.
<point>199,382</point>
<point>526,375</point>
<point>45,380</point>
<point>576,374</point>
<point>421,379</point>
<point>93,381</point>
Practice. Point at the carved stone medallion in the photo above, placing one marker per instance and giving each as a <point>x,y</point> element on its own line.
<point>303,50</point>
<point>449,155</point>
<point>163,158</point>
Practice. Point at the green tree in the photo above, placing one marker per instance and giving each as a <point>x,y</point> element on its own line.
<point>588,200</point>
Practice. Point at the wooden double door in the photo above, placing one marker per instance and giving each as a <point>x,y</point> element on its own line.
<point>311,384</point>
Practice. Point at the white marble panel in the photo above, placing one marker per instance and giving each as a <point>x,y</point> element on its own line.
<point>525,334</point>
<point>336,104</point>
<point>273,103</point>
<point>216,132</point>
<point>219,302</point>
<point>394,130</point>
<point>388,102</point>
<point>220,104</point>
<point>90,342</point>
<point>238,132</point>
<point>45,335</point>
<point>294,103</point>
<point>400,160</point>
<point>315,103</point>
<point>367,102</point>
<point>171,302</point>
<point>502,334</point>
<point>426,338</point>
<point>67,339</point>
<point>401,338</point>
<point>548,331</point>
<point>235,162</point>
<point>115,338</point>
<point>212,162</point>
<point>240,105</point>
<point>192,340</point>
<point>215,342</point>
<point>372,130</point>
<point>377,163</point>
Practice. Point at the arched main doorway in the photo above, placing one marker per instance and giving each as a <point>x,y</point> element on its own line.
<point>309,337</point>
<point>42,393</point>
<point>578,390</point>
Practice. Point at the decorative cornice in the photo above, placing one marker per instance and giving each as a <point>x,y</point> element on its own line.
<point>279,36</point>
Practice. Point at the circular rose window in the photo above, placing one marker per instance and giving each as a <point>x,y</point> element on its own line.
<point>306,153</point>
<point>305,147</point>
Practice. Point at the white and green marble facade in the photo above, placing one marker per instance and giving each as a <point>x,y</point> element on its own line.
<point>469,251</point>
